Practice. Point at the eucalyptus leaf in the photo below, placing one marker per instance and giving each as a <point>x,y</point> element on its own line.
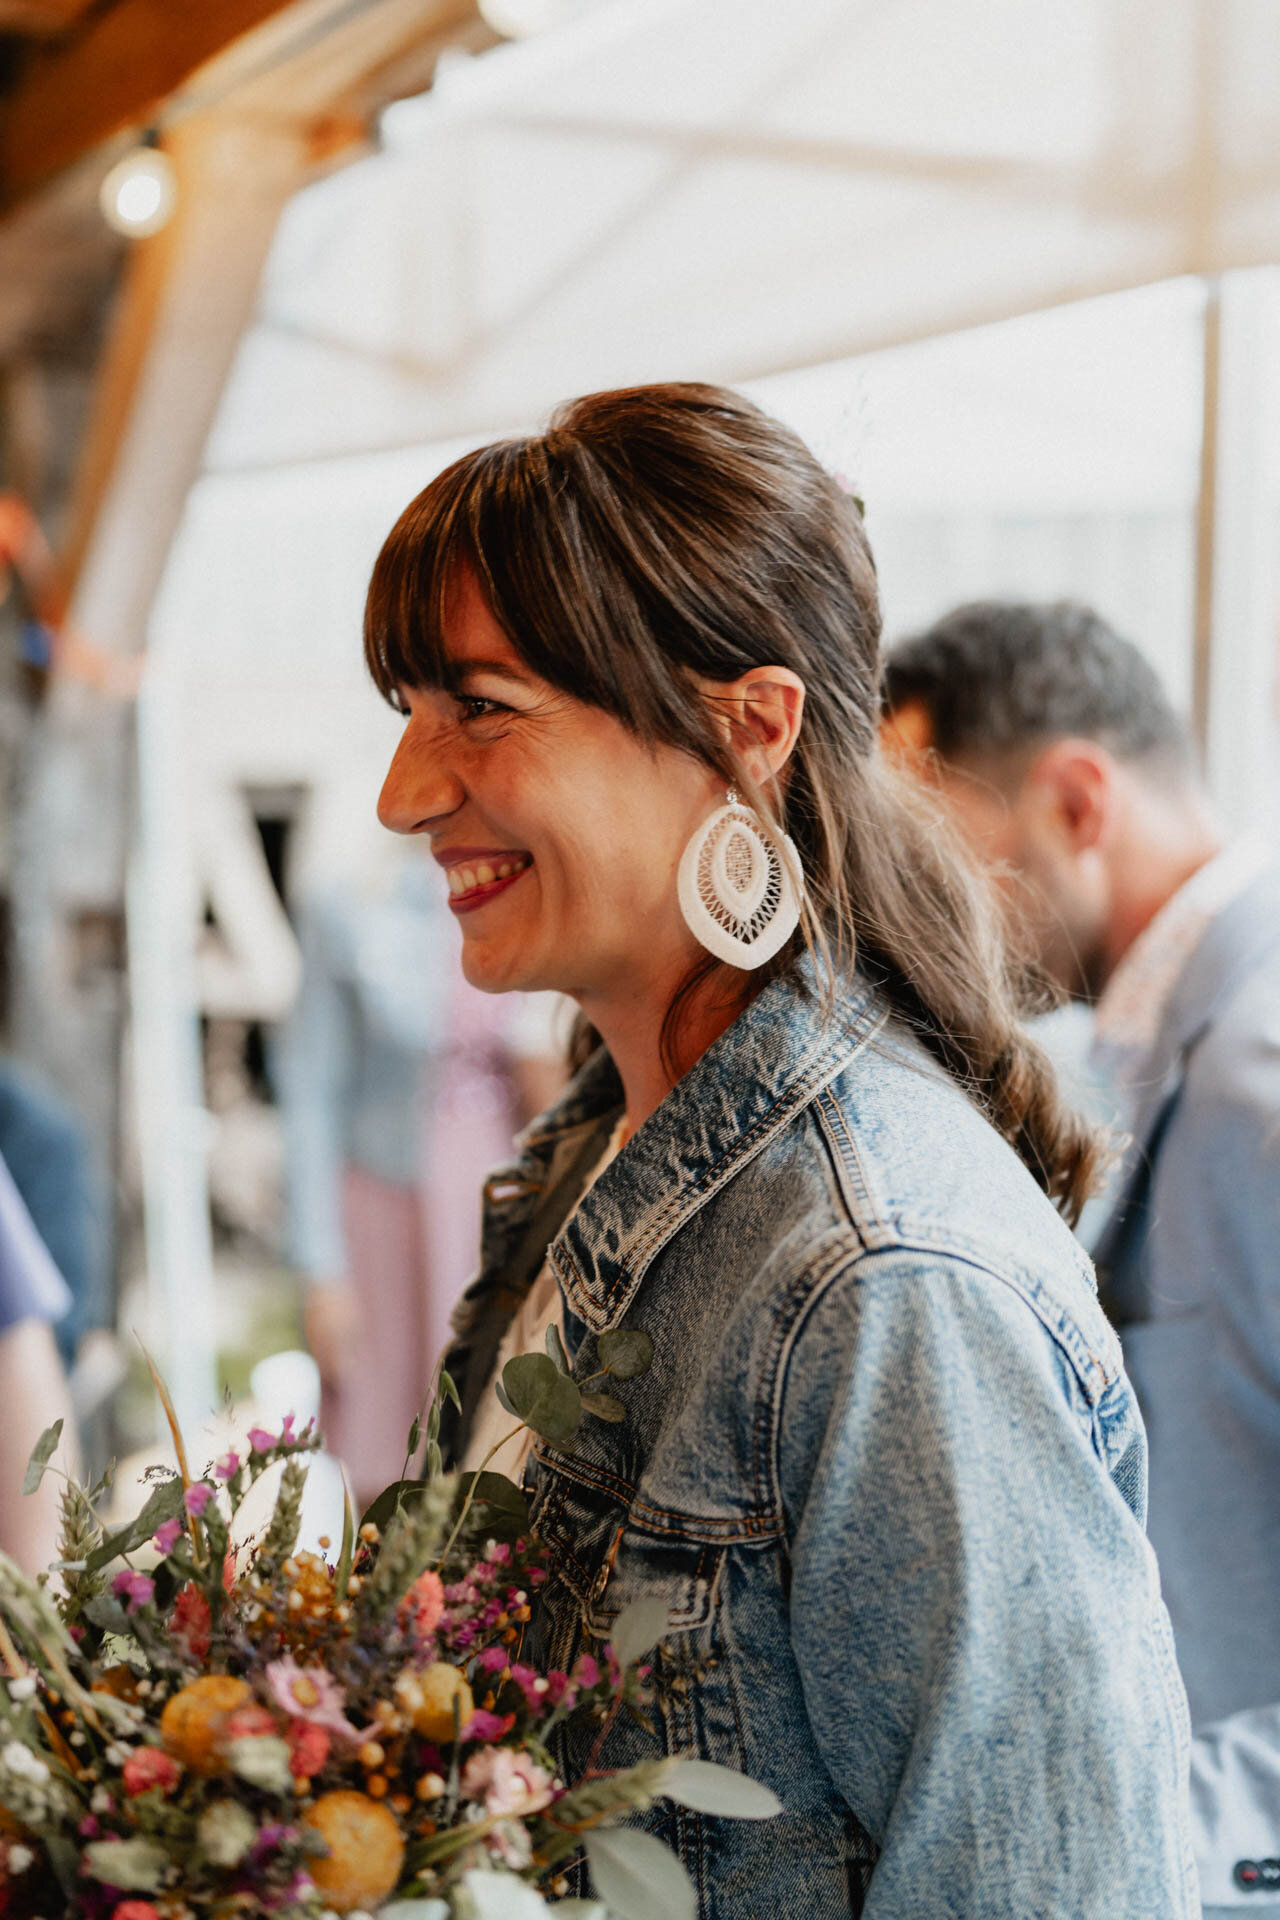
<point>105,1612</point>
<point>63,1857</point>
<point>637,1629</point>
<point>637,1877</point>
<point>503,1399</point>
<point>486,1893</point>
<point>555,1348</point>
<point>544,1398</point>
<point>41,1454</point>
<point>604,1406</point>
<point>499,1510</point>
<point>705,1787</point>
<point>625,1352</point>
<point>164,1504</point>
<point>380,1513</point>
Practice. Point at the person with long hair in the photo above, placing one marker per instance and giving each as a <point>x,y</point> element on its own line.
<point>885,1473</point>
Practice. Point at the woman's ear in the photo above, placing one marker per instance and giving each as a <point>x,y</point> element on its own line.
<point>760,714</point>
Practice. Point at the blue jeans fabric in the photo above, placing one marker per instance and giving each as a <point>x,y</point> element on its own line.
<point>887,1475</point>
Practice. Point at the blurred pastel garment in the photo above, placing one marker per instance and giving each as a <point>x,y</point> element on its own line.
<point>396,1097</point>
<point>30,1285</point>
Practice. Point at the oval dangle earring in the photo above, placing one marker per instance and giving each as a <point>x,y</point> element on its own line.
<point>740,887</point>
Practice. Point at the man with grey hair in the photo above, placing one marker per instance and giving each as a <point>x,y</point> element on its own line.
<point>1058,755</point>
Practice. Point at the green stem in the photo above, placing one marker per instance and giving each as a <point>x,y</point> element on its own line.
<point>471,1491</point>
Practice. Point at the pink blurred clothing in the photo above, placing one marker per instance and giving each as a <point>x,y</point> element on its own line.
<point>411,1250</point>
<point>366,1420</point>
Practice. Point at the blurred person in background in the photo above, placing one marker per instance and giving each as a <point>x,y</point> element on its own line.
<point>33,1386</point>
<point>1056,751</point>
<point>44,1146</point>
<point>400,1087</point>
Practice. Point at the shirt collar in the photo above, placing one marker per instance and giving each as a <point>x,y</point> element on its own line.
<point>1132,1005</point>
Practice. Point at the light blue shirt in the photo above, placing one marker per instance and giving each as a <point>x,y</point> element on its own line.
<point>357,1057</point>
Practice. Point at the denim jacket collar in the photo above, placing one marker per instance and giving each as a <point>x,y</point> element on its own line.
<point>774,1059</point>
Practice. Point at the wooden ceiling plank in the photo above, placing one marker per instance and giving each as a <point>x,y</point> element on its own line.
<point>40,16</point>
<point>110,76</point>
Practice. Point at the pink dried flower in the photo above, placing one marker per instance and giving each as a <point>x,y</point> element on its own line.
<point>287,1434</point>
<point>135,1910</point>
<point>250,1723</point>
<point>260,1440</point>
<point>308,1748</point>
<point>197,1497</point>
<point>166,1536</point>
<point>506,1781</point>
<point>533,1689</point>
<point>586,1672</point>
<point>309,1693</point>
<point>229,1466</point>
<point>492,1660</point>
<point>149,1767</point>
<point>559,1687</point>
<point>191,1622</point>
<point>137,1588</point>
<point>419,1613</point>
<point>484,1725</point>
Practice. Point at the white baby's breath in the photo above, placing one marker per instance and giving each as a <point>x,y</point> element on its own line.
<point>23,1764</point>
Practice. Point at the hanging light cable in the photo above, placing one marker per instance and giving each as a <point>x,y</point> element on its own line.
<point>138,195</point>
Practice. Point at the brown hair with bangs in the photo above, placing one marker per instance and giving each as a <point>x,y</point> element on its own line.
<point>660,533</point>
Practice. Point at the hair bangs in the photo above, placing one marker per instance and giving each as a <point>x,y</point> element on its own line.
<point>406,608</point>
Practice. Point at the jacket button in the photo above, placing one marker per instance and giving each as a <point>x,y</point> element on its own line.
<point>1257,1876</point>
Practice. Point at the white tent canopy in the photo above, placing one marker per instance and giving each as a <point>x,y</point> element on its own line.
<point>727,188</point>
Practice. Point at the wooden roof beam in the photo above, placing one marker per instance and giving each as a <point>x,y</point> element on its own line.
<point>113,74</point>
<point>40,16</point>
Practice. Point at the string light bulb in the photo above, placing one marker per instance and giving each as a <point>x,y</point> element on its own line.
<point>138,196</point>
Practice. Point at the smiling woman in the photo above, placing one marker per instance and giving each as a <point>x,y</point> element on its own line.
<point>885,1475</point>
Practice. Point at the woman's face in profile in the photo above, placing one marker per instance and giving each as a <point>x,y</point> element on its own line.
<point>558,833</point>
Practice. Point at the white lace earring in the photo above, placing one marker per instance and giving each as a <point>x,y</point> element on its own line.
<point>740,887</point>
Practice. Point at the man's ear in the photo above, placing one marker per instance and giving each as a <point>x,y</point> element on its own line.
<point>907,731</point>
<point>1073,783</point>
<point>760,714</point>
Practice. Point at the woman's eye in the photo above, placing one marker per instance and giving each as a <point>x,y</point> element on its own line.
<point>474,708</point>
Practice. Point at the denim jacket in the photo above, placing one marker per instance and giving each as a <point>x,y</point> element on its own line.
<point>886,1473</point>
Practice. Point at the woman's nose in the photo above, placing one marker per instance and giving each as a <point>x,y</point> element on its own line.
<point>420,788</point>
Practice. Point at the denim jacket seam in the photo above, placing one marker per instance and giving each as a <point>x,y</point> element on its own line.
<point>1095,1372</point>
<point>795,1306</point>
<point>647,1516</point>
<point>846,1260</point>
<point>800,1092</point>
<point>850,1168</point>
<point>569,1468</point>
